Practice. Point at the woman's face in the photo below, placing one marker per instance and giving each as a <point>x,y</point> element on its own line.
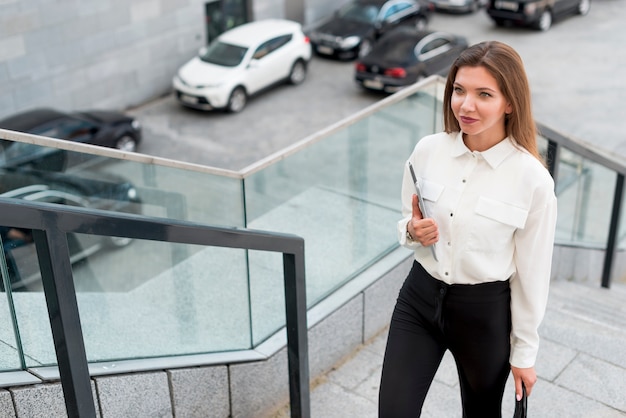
<point>478,104</point>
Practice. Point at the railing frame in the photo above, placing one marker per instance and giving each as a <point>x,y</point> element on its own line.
<point>51,224</point>
<point>555,142</point>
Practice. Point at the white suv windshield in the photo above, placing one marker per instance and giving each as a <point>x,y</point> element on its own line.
<point>220,53</point>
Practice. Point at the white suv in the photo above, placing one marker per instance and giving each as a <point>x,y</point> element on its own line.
<point>241,62</point>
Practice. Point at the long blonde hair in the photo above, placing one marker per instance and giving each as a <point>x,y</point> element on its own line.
<point>506,66</point>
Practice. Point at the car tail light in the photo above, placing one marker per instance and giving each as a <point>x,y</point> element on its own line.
<point>307,40</point>
<point>360,67</point>
<point>396,72</point>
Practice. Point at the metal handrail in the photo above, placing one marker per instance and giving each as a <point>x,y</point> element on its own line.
<point>51,223</point>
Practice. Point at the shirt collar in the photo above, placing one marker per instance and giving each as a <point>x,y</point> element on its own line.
<point>494,155</point>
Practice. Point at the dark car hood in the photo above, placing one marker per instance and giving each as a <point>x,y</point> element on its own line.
<point>104,116</point>
<point>344,28</point>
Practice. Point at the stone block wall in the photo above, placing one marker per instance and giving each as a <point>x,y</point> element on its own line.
<point>75,55</point>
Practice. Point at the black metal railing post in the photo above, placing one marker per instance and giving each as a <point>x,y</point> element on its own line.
<point>552,159</point>
<point>67,334</point>
<point>611,245</point>
<point>297,345</point>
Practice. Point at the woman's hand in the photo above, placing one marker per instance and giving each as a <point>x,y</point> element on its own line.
<point>423,230</point>
<point>526,375</point>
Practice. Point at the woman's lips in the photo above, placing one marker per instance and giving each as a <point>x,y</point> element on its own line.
<point>466,119</point>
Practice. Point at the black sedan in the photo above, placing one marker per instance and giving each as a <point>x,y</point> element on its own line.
<point>404,56</point>
<point>538,14</point>
<point>353,28</point>
<point>97,127</point>
<point>104,192</point>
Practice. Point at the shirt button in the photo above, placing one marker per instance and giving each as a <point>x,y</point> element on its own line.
<point>464,181</point>
<point>449,243</point>
<point>446,273</point>
<point>451,214</point>
<point>442,291</point>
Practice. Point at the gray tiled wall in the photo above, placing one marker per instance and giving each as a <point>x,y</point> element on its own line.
<point>93,54</point>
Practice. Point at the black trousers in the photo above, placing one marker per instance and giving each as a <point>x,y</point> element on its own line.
<point>430,317</point>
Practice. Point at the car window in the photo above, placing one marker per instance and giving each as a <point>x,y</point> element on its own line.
<point>271,46</point>
<point>430,48</point>
<point>365,13</point>
<point>395,9</point>
<point>18,152</point>
<point>434,44</point>
<point>224,54</point>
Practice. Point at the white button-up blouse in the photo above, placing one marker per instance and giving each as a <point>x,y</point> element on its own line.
<point>496,213</point>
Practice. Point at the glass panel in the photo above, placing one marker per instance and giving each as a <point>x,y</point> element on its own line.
<point>119,281</point>
<point>161,299</point>
<point>585,193</point>
<point>335,194</point>
<point>620,256</point>
<point>148,299</point>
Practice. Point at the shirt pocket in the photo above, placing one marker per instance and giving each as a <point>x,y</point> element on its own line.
<point>496,222</point>
<point>431,191</point>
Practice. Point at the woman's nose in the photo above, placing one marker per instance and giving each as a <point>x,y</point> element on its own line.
<point>468,103</point>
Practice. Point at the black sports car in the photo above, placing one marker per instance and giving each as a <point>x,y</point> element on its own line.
<point>97,127</point>
<point>404,56</point>
<point>104,191</point>
<point>355,27</point>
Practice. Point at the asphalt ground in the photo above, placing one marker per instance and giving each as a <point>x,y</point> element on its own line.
<point>575,71</point>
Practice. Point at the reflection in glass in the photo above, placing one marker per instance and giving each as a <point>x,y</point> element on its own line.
<point>585,193</point>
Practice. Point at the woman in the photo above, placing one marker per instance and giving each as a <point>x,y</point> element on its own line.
<point>482,293</point>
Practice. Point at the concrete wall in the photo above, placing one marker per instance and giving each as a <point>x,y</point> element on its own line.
<point>108,54</point>
<point>93,54</point>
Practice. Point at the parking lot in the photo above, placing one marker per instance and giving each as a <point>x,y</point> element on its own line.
<point>575,73</point>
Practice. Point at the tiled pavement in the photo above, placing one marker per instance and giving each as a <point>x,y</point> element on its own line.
<point>581,365</point>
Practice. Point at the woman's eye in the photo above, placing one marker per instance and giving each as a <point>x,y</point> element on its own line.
<point>458,90</point>
<point>485,94</point>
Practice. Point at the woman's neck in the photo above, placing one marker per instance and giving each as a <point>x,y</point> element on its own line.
<point>482,143</point>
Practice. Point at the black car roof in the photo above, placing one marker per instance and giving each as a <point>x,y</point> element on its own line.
<point>27,120</point>
<point>379,3</point>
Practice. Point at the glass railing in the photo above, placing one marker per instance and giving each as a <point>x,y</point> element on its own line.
<point>339,190</point>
